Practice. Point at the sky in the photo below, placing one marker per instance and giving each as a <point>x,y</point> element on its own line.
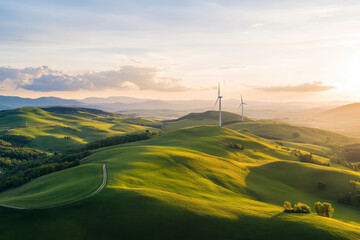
<point>265,50</point>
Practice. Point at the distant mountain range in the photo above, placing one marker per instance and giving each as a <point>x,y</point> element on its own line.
<point>7,102</point>
<point>344,119</point>
<point>166,109</point>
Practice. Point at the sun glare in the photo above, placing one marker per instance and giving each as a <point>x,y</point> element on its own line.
<point>349,73</point>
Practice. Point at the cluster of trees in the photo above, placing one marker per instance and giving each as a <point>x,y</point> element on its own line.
<point>236,146</point>
<point>110,141</point>
<point>353,197</point>
<point>340,160</point>
<point>308,158</point>
<point>17,140</point>
<point>322,209</point>
<point>347,155</point>
<point>12,158</point>
<point>19,153</point>
<point>25,176</point>
<point>298,208</point>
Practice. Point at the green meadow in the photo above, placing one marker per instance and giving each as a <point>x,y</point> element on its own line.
<point>188,183</point>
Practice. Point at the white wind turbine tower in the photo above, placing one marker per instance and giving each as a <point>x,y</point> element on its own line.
<point>242,109</point>
<point>218,100</point>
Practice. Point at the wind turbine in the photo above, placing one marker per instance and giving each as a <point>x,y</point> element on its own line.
<point>242,109</point>
<point>218,100</point>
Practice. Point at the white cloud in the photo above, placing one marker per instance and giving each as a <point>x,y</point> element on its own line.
<point>44,79</point>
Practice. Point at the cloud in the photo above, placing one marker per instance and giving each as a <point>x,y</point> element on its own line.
<point>224,68</point>
<point>316,86</point>
<point>44,79</point>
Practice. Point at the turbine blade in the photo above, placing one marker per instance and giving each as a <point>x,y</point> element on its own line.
<point>219,89</point>
<point>215,103</point>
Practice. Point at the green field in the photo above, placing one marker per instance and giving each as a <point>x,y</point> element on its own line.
<point>190,184</point>
<point>60,128</point>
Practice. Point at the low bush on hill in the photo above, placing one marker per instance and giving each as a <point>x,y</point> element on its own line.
<point>296,134</point>
<point>298,208</point>
<point>324,209</point>
<point>236,146</point>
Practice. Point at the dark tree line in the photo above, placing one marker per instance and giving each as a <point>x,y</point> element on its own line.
<point>17,140</point>
<point>110,141</point>
<point>308,158</point>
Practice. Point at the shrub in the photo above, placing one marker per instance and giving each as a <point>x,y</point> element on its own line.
<point>237,146</point>
<point>287,206</point>
<point>324,209</point>
<point>296,134</point>
<point>298,208</point>
<point>321,186</point>
<point>301,208</point>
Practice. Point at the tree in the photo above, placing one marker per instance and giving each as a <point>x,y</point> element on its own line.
<point>298,208</point>
<point>324,209</point>
<point>287,206</point>
<point>301,208</point>
<point>327,209</point>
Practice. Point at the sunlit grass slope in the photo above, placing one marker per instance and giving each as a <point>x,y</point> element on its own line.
<point>55,129</point>
<point>57,188</point>
<point>190,184</point>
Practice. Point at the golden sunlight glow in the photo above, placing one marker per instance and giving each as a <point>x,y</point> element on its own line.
<point>349,72</point>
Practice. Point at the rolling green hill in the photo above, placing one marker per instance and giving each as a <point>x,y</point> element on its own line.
<point>189,184</point>
<point>59,128</point>
<point>205,118</point>
<point>304,137</point>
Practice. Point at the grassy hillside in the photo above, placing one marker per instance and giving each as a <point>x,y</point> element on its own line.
<point>192,184</point>
<point>205,118</point>
<point>58,128</point>
<point>268,129</point>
